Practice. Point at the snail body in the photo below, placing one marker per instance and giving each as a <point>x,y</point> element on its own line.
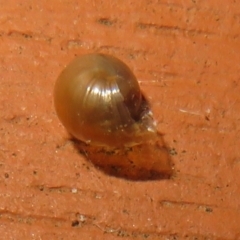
<point>98,100</point>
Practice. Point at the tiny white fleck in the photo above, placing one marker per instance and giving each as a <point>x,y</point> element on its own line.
<point>74,190</point>
<point>82,218</point>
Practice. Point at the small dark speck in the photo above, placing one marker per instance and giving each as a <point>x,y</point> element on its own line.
<point>115,169</point>
<point>173,151</point>
<point>26,35</point>
<point>122,233</point>
<point>125,211</point>
<point>208,209</point>
<point>106,21</point>
<point>75,223</point>
<point>6,175</point>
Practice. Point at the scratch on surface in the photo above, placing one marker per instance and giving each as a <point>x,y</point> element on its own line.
<point>80,221</point>
<point>26,35</point>
<point>66,190</point>
<point>31,219</point>
<point>183,204</point>
<point>129,52</point>
<point>106,21</point>
<point>190,112</point>
<point>173,30</point>
<point>140,234</point>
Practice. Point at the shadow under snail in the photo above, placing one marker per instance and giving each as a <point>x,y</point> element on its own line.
<point>99,101</point>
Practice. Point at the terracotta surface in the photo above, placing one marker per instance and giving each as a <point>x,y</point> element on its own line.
<point>185,55</point>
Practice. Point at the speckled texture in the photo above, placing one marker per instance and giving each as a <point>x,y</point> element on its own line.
<point>185,55</point>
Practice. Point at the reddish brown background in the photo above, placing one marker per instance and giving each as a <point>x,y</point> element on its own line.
<point>186,55</point>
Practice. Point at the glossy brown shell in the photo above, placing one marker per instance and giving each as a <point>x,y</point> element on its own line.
<point>99,101</point>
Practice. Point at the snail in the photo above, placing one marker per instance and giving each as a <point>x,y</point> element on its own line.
<point>98,100</point>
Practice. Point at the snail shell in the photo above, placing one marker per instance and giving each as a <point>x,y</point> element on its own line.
<point>99,101</point>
